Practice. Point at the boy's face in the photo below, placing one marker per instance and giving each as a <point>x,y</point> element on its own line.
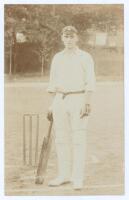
<point>69,40</point>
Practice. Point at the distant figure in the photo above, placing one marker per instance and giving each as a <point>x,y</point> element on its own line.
<point>72,82</point>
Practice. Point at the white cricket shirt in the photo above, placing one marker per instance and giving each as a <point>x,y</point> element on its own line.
<point>72,71</point>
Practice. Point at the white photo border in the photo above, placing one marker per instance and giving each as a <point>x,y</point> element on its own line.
<point>126,96</point>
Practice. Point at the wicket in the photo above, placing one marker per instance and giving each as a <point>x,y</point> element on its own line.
<point>30,117</point>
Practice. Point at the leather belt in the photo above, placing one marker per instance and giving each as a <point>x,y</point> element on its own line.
<point>64,94</point>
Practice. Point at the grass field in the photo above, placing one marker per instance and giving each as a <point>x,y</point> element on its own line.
<point>105,141</point>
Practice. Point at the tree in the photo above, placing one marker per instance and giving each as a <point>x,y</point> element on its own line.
<point>42,24</point>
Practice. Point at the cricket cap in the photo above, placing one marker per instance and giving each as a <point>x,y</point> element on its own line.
<point>69,30</point>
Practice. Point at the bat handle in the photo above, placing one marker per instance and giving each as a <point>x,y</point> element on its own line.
<point>50,127</point>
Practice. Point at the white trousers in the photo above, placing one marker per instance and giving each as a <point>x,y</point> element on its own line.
<point>70,136</point>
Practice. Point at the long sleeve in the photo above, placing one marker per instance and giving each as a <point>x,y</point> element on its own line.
<point>52,81</point>
<point>89,73</point>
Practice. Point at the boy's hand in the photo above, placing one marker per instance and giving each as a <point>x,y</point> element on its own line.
<point>49,114</point>
<point>85,111</point>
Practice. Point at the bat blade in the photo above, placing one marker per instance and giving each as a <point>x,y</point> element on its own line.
<point>44,156</point>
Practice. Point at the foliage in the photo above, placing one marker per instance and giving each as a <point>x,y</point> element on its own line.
<point>42,24</point>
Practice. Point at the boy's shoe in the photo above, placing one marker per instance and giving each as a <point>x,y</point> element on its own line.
<point>58,181</point>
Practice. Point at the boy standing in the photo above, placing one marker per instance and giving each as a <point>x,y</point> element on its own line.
<point>72,82</point>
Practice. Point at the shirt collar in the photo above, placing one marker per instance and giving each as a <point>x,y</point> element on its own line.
<point>76,51</point>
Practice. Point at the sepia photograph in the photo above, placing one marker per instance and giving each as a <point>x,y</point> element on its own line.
<point>64,99</point>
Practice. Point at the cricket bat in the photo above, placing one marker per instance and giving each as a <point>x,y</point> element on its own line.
<point>44,156</point>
